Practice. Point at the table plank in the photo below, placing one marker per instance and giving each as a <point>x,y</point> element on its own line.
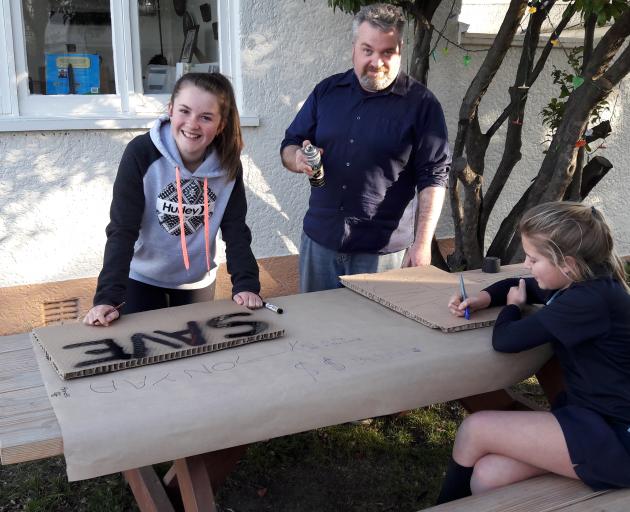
<point>28,425</point>
<point>24,401</point>
<point>16,362</point>
<point>540,494</point>
<point>19,368</point>
<point>21,380</point>
<point>28,434</point>
<point>614,501</point>
<point>14,342</point>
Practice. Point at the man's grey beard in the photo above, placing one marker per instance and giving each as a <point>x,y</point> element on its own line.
<point>375,84</point>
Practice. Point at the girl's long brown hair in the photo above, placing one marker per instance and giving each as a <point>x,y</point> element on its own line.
<point>562,228</point>
<point>229,142</point>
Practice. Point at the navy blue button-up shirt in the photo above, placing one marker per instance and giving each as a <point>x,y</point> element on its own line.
<point>379,150</point>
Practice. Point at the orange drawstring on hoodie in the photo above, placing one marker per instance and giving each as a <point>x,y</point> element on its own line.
<point>180,212</point>
<point>206,226</point>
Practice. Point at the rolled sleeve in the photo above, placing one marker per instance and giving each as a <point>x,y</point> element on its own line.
<point>432,159</point>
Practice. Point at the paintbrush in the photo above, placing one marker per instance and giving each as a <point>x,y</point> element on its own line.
<point>114,308</point>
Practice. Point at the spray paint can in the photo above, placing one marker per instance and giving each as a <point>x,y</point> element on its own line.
<point>314,159</point>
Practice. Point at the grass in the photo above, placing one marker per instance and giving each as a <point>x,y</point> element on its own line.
<point>42,486</point>
<point>392,464</point>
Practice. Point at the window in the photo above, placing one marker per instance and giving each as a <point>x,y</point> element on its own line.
<point>107,63</point>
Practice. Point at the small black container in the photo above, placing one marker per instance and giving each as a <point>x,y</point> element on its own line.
<point>491,265</point>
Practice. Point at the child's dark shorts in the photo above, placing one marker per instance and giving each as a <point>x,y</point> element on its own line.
<point>599,449</point>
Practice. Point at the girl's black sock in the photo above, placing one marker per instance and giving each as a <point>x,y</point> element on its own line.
<point>456,483</point>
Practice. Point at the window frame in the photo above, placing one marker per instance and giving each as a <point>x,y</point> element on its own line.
<point>127,109</point>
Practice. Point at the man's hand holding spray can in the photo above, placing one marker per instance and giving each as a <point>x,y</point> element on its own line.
<point>314,159</point>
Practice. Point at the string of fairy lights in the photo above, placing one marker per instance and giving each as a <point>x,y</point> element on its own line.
<point>533,7</point>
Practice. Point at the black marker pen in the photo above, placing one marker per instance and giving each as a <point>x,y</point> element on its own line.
<point>273,308</point>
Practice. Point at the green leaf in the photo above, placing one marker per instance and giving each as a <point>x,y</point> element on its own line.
<point>577,81</point>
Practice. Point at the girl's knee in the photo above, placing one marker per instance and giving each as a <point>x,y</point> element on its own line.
<point>470,432</point>
<point>487,475</point>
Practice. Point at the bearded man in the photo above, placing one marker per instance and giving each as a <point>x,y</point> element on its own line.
<point>385,153</point>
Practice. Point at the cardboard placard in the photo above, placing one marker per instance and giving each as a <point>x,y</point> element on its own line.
<point>77,350</point>
<point>422,293</point>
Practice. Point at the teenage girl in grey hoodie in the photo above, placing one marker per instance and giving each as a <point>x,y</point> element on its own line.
<point>176,187</point>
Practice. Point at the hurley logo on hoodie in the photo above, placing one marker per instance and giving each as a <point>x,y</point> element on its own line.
<point>192,199</point>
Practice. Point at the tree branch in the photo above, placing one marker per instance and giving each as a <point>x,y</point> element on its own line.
<point>493,60</point>
<point>619,69</point>
<point>467,120</point>
<point>573,191</point>
<point>507,229</point>
<point>608,46</point>
<point>422,12</point>
<point>540,64</point>
<point>513,139</point>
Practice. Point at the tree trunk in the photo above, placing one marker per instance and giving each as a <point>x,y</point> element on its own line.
<point>464,225</point>
<point>472,180</point>
<point>422,13</point>
<point>573,191</point>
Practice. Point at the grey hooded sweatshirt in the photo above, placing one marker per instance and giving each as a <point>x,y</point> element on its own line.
<point>143,236</point>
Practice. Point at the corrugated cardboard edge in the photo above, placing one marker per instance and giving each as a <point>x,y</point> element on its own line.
<point>394,307</point>
<point>180,354</point>
<point>36,341</point>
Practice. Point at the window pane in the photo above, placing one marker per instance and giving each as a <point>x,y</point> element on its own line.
<point>69,46</point>
<point>172,32</point>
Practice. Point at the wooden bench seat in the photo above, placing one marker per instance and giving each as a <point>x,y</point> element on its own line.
<point>542,494</point>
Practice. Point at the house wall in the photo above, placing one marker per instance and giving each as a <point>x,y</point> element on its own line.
<point>56,186</point>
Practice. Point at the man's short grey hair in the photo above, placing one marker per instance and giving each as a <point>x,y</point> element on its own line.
<point>384,17</point>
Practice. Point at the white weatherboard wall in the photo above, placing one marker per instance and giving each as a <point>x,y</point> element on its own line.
<point>55,187</point>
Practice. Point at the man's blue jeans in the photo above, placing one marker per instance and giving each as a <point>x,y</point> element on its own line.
<point>321,267</point>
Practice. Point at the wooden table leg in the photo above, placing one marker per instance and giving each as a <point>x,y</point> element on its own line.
<point>148,491</point>
<point>499,400</point>
<point>219,465</point>
<point>194,484</point>
<point>551,379</point>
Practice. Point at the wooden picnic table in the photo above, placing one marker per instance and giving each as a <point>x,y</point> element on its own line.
<point>444,366</point>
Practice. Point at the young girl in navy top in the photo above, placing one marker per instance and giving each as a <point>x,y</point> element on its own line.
<point>586,318</point>
<point>176,187</point>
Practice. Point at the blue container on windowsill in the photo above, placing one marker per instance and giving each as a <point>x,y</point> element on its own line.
<point>84,72</point>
